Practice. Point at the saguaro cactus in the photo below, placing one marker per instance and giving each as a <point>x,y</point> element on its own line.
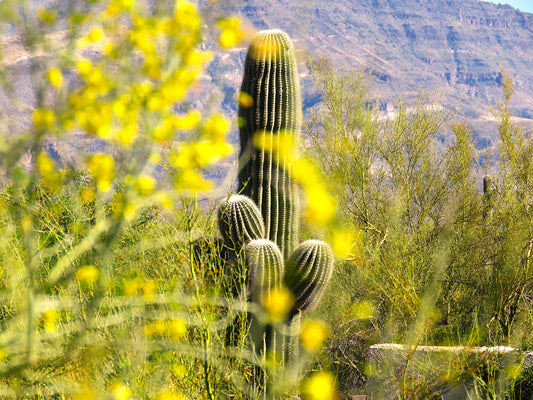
<point>270,122</point>
<point>272,108</point>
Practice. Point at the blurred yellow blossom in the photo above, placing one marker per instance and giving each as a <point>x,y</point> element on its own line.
<point>320,206</point>
<point>55,77</point>
<point>313,335</point>
<point>283,144</point>
<point>119,391</point>
<point>186,16</point>
<point>44,118</point>
<point>148,287</point>
<point>343,240</point>
<point>245,100</point>
<point>319,386</point>
<point>174,329</point>
<point>50,319</point>
<point>131,287</point>
<point>215,128</point>
<point>231,32</point>
<point>87,195</point>
<point>169,395</point>
<point>144,185</point>
<point>87,274</point>
<point>188,121</point>
<point>164,200</point>
<point>85,393</point>
<point>46,167</point>
<point>277,304</point>
<point>94,36</point>
<point>102,168</point>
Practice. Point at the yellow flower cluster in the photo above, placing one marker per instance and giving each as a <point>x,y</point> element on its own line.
<point>277,304</point>
<point>174,329</point>
<point>133,287</point>
<point>102,168</point>
<point>46,167</point>
<point>231,32</point>
<point>191,157</point>
<point>313,335</point>
<point>50,319</point>
<point>320,386</point>
<point>87,274</point>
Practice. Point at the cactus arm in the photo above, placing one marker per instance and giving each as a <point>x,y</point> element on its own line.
<point>308,272</point>
<point>240,221</point>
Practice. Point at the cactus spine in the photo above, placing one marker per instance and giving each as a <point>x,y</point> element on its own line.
<point>271,81</point>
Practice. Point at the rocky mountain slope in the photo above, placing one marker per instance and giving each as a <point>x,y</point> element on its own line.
<point>455,48</point>
<point>452,47</point>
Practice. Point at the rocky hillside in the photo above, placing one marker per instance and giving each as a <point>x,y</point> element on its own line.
<point>453,47</point>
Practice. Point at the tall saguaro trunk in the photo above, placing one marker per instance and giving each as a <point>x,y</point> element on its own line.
<point>270,106</point>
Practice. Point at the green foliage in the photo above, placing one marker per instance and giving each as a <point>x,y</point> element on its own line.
<point>437,261</point>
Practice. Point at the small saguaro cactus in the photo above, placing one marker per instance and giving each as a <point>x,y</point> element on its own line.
<point>270,112</point>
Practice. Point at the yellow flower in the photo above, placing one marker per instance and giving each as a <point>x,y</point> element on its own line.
<point>245,100</point>
<point>119,391</point>
<point>145,185</point>
<point>283,144</point>
<point>319,386</point>
<point>46,166</point>
<point>320,207</point>
<point>87,195</point>
<point>55,77</point>
<point>164,200</point>
<point>169,395</point>
<point>176,329</point>
<point>87,274</point>
<point>188,121</point>
<point>86,393</point>
<point>50,320</point>
<point>231,34</point>
<point>313,335</point>
<point>102,168</point>
<point>191,181</point>
<point>126,135</point>
<point>215,128</point>
<point>277,304</point>
<point>131,287</point>
<point>43,118</point>
<point>173,329</point>
<point>95,34</point>
<point>342,241</point>
<point>186,15</point>
<point>148,290</point>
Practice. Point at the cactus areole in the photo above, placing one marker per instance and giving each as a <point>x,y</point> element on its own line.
<point>270,106</point>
